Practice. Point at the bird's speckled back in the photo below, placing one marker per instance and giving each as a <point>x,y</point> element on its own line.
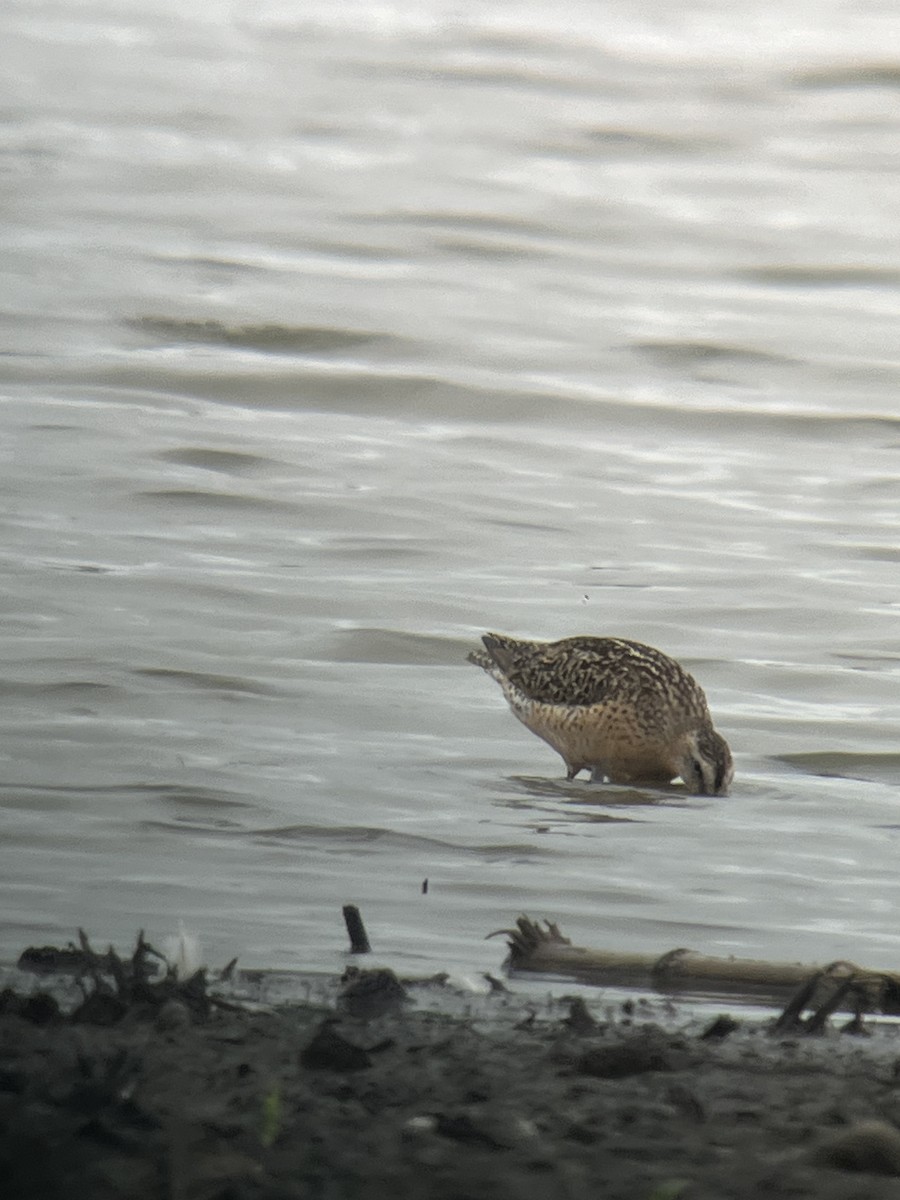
<point>591,670</point>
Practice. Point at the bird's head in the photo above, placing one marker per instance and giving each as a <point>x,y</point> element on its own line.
<point>706,765</point>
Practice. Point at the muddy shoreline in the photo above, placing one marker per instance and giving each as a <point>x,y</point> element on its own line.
<point>382,1091</point>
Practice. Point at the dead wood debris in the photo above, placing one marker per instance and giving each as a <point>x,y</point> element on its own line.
<point>839,987</point>
<point>144,983</point>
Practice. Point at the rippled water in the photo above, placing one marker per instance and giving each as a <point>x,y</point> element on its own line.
<point>336,336</point>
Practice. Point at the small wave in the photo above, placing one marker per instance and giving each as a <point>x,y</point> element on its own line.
<point>178,794</point>
<point>480,248</point>
<point>871,768</point>
<point>581,792</point>
<point>173,793</point>
<point>202,498</point>
<point>469,222</point>
<point>204,681</point>
<point>527,526</point>
<point>822,277</point>
<point>229,462</point>
<point>533,80</point>
<point>395,393</point>
<point>858,75</point>
<point>696,354</point>
<point>345,834</point>
<point>359,836</point>
<point>636,141</point>
<point>193,824</point>
<point>395,646</point>
<point>272,339</point>
<point>549,818</point>
<point>378,547</point>
<point>66,688</point>
<point>889,554</point>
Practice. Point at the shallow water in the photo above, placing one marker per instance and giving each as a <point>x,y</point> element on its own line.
<point>334,340</point>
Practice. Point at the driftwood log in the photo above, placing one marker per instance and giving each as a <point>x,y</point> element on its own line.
<point>542,949</point>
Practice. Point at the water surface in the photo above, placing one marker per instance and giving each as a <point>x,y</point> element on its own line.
<point>335,338</point>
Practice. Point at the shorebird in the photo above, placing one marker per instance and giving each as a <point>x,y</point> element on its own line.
<point>626,712</point>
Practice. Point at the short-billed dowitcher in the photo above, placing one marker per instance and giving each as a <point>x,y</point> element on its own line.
<point>625,711</point>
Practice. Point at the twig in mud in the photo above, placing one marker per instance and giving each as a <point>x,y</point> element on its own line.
<point>111,986</point>
<point>141,969</point>
<point>227,972</point>
<point>825,992</point>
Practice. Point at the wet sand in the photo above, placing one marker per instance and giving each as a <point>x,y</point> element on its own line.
<point>384,1095</point>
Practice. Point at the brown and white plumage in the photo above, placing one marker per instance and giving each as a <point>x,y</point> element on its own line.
<point>627,712</point>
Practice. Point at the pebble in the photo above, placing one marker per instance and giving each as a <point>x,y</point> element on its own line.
<point>872,1146</point>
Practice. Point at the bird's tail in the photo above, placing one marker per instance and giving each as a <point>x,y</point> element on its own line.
<point>480,659</point>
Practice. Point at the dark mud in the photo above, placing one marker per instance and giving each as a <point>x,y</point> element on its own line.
<point>377,1097</point>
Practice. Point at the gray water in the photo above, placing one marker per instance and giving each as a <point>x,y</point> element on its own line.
<point>336,334</point>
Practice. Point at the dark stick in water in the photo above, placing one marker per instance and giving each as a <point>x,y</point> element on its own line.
<point>359,941</point>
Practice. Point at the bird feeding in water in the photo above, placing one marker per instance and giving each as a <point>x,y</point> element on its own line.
<point>624,711</point>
